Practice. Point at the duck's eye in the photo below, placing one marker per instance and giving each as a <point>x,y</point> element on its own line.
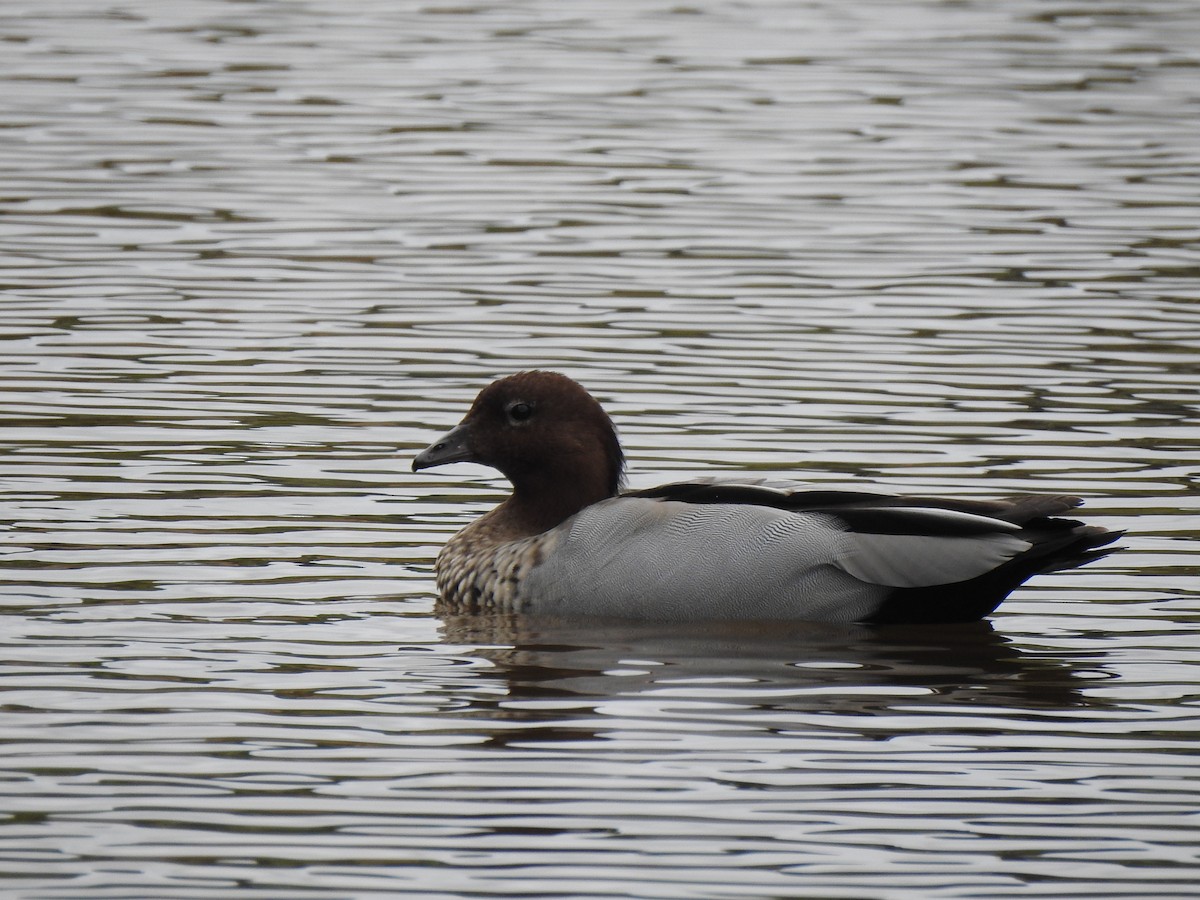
<point>520,411</point>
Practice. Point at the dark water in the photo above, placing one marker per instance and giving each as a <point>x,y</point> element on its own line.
<point>255,254</point>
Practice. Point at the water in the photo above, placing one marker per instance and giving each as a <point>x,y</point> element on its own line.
<point>256,254</point>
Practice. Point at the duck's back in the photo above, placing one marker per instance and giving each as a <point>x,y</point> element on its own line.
<point>657,558</point>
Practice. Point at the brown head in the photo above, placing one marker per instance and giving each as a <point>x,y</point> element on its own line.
<point>547,435</point>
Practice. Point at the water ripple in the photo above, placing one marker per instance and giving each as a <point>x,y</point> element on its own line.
<point>256,255</point>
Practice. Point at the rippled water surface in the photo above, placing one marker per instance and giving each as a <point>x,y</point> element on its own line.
<point>256,254</point>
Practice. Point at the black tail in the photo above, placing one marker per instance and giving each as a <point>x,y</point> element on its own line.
<point>1056,544</point>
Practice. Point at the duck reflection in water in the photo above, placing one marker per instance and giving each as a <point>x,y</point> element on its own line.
<point>751,668</point>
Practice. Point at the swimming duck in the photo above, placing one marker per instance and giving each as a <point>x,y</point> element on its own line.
<point>568,542</point>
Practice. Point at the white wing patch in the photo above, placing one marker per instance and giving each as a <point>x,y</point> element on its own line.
<point>922,560</point>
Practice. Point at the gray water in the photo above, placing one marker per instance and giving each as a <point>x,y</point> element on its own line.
<point>256,254</point>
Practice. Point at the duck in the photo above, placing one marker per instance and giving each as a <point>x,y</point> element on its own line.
<point>571,542</point>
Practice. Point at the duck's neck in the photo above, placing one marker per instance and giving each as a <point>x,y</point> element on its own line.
<point>539,504</point>
<point>548,494</point>
<point>522,515</point>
